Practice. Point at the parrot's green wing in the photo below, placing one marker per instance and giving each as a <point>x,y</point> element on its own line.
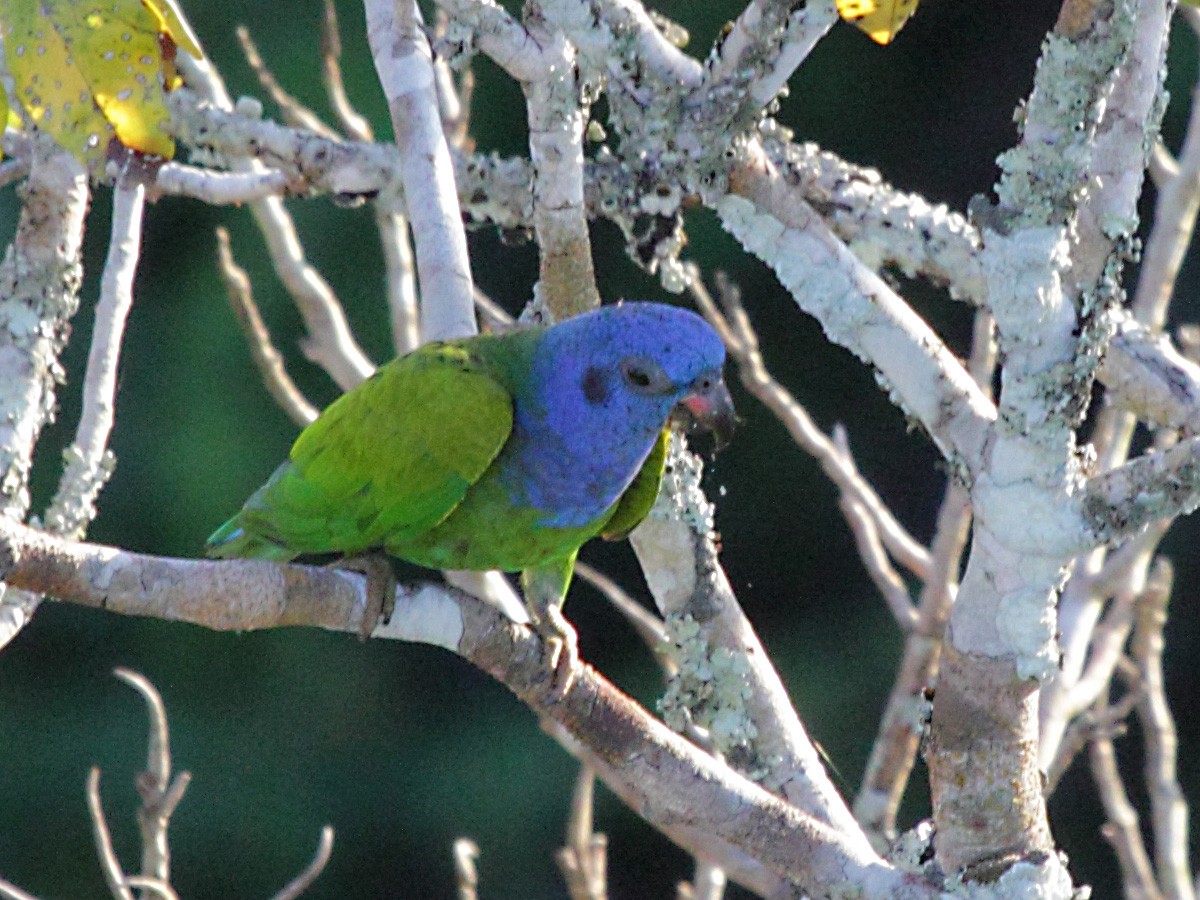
<point>391,458</point>
<point>635,503</point>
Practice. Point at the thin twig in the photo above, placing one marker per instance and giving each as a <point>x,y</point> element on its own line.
<point>1121,829</point>
<point>330,343</point>
<point>400,277</point>
<point>1109,635</point>
<point>466,877</point>
<point>648,626</point>
<point>154,886</point>
<point>89,461</point>
<point>870,546</point>
<point>1106,722</point>
<point>268,360</point>
<point>114,875</point>
<point>495,315</point>
<point>312,871</point>
<point>583,860</point>
<point>355,125</point>
<point>159,794</point>
<point>1169,811</point>
<point>294,112</point>
<point>9,891</point>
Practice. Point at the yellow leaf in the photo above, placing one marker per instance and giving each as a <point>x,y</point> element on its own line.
<point>86,70</point>
<point>880,19</point>
<point>116,48</point>
<point>171,24</point>
<point>53,91</point>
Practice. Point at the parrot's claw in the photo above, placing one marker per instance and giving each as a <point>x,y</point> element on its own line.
<point>562,645</point>
<point>381,589</point>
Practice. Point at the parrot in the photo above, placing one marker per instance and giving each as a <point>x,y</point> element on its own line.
<point>501,451</point>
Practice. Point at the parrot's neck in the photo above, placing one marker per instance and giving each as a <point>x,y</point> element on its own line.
<point>573,475</point>
<point>573,457</point>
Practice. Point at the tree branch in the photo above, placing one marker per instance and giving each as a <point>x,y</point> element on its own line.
<point>404,64</point>
<point>857,309</point>
<point>39,294</point>
<point>673,784</point>
<point>89,461</point>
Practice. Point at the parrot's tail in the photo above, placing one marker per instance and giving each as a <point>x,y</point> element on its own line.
<point>232,540</point>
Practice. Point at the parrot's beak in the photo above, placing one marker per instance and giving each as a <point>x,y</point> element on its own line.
<point>709,406</point>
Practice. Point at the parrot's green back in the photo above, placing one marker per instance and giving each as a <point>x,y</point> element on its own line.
<point>405,462</point>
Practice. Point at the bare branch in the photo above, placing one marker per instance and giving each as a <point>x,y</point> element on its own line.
<point>114,875</point>
<point>9,891</point>
<point>884,226</point>
<point>1121,830</point>
<point>1168,806</point>
<point>159,794</point>
<point>220,188</point>
<point>294,112</point>
<point>905,718</point>
<point>583,861</point>
<point>39,293</point>
<point>725,683</point>
<point>405,67</point>
<point>89,461</point>
<point>1174,222</point>
<point>312,871</point>
<point>856,308</point>
<point>1148,377</point>
<point>1152,487</point>
<point>699,800</point>
<point>268,360</point>
<point>330,343</point>
<point>154,886</point>
<point>354,124</point>
<point>648,626</point>
<point>870,545</point>
<point>771,30</point>
<point>466,851</point>
<point>1106,722</point>
<point>542,60</point>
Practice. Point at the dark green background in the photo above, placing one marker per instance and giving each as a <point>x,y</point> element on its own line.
<point>404,748</point>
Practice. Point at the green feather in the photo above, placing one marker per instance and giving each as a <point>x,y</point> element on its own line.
<point>639,497</point>
<point>392,458</point>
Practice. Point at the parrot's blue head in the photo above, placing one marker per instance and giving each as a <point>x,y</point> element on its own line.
<point>635,363</point>
<point>601,388</point>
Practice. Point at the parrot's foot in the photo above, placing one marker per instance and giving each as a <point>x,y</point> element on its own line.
<point>381,588</point>
<point>562,644</point>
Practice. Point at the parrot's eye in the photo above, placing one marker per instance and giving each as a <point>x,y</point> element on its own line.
<point>644,376</point>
